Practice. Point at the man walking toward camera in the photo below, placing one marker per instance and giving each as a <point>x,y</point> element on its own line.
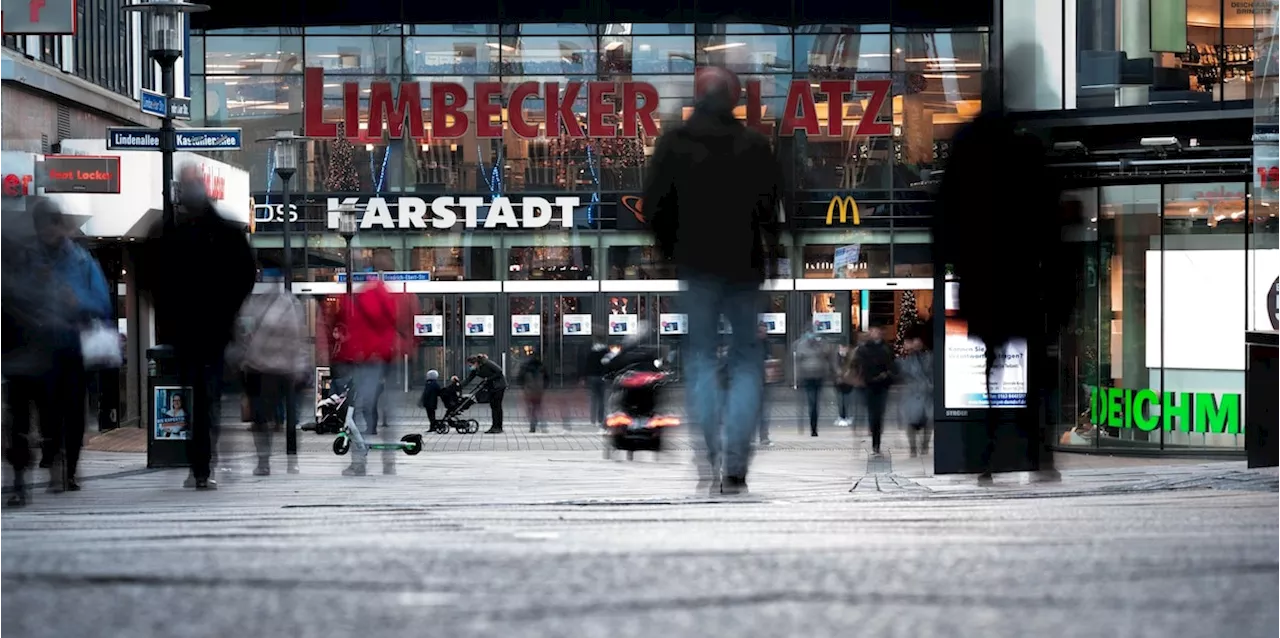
<point>715,183</point>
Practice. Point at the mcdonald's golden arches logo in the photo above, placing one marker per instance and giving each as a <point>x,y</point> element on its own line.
<point>845,205</point>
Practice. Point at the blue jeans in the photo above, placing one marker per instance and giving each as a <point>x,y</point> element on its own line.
<point>366,382</point>
<point>708,406</point>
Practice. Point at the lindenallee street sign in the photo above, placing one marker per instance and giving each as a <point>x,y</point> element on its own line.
<point>614,109</point>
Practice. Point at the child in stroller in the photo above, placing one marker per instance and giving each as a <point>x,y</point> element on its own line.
<point>456,402</point>
<point>331,413</point>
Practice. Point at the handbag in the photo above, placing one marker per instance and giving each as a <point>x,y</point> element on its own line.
<point>100,347</point>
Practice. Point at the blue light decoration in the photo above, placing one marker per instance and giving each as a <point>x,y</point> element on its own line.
<point>382,174</point>
<point>595,179</point>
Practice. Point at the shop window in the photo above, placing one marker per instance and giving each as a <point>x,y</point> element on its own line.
<point>860,255</point>
<point>356,55</point>
<point>837,54</point>
<point>744,53</point>
<point>912,254</point>
<point>856,163</point>
<point>637,262</point>
<point>550,262</point>
<point>634,54</point>
<point>469,263</point>
<point>567,54</point>
<point>453,55</point>
<point>251,55</point>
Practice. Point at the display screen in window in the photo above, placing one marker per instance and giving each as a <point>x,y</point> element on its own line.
<point>965,365</point>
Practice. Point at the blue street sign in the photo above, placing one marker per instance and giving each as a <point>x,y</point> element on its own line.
<point>133,138</point>
<point>180,108</point>
<point>359,278</point>
<point>154,103</point>
<point>209,139</point>
<point>408,275</point>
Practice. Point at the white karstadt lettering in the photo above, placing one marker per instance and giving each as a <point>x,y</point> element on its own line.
<point>411,212</point>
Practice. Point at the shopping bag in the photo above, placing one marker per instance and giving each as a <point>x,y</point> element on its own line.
<point>100,347</point>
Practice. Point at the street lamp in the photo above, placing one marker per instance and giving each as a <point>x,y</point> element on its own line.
<point>347,228</point>
<point>285,152</point>
<point>164,26</point>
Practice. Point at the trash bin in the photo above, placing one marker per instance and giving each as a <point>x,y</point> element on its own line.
<point>169,409</point>
<point>1261,379</point>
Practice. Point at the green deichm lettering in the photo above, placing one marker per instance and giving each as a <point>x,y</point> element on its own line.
<point>1200,412</point>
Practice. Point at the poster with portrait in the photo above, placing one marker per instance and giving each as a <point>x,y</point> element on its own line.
<point>170,406</point>
<point>526,325</point>
<point>966,371</point>
<point>828,323</point>
<point>478,325</point>
<point>775,323</point>
<point>576,325</point>
<point>428,325</point>
<point>670,323</point>
<point>622,324</point>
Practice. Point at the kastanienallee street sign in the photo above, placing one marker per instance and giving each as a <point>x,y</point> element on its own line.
<point>443,213</point>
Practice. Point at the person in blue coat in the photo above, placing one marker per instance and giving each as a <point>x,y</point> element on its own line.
<point>78,280</point>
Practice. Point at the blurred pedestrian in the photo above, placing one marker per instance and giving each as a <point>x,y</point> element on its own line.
<point>375,333</point>
<point>534,378</point>
<point>848,382</point>
<point>430,400</point>
<point>716,183</point>
<point>275,361</point>
<point>814,365</point>
<point>763,333</point>
<point>874,361</point>
<point>496,389</point>
<point>199,273</point>
<point>79,278</point>
<point>39,338</point>
<point>593,370</point>
<point>915,373</point>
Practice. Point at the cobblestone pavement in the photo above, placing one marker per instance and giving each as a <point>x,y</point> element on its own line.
<point>563,543</point>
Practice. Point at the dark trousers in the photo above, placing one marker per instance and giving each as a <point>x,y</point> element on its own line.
<point>268,394</point>
<point>495,407</point>
<point>58,398</point>
<point>205,380</point>
<point>845,393</point>
<point>1030,421</point>
<point>535,411</point>
<point>877,400</point>
<point>595,391</point>
<point>812,391</point>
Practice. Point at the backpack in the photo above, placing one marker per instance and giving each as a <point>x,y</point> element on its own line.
<point>272,338</point>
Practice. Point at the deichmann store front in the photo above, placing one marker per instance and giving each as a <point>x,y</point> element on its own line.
<point>499,167</point>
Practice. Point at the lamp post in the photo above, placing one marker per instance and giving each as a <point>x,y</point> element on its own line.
<point>285,151</point>
<point>347,228</point>
<point>164,25</point>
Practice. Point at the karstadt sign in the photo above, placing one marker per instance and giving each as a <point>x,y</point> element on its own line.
<point>445,213</point>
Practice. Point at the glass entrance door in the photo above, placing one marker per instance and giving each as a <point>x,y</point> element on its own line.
<point>531,323</point>
<point>428,351</point>
<point>471,329</point>
<point>571,332</point>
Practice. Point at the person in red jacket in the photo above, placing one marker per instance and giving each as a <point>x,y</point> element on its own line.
<point>373,333</point>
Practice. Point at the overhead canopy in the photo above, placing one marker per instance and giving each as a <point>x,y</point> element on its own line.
<point>299,13</point>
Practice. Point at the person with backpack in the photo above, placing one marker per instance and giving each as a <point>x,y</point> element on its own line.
<point>275,360</point>
<point>874,361</point>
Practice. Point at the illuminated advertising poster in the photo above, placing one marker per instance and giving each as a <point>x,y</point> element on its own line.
<point>622,324</point>
<point>673,324</point>
<point>171,405</point>
<point>828,323</point>
<point>576,325</point>
<point>428,325</point>
<point>966,366</point>
<point>478,325</point>
<point>526,325</point>
<point>775,323</point>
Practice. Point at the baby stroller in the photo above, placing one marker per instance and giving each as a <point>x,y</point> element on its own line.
<point>457,403</point>
<point>331,413</point>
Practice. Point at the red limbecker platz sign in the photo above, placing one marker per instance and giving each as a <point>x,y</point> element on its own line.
<point>614,109</point>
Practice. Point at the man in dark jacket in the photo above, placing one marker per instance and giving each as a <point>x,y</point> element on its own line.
<point>713,182</point>
<point>199,273</point>
<point>593,370</point>
<point>874,361</point>
<point>535,377</point>
<point>492,373</point>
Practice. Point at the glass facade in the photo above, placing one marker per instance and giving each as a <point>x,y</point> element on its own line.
<point>1154,357</point>
<point>1098,54</point>
<point>856,158</point>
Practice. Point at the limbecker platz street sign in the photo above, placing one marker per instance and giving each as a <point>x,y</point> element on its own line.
<point>614,109</point>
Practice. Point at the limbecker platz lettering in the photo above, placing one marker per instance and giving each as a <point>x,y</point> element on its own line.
<point>614,109</point>
<point>412,212</point>
<point>1200,412</point>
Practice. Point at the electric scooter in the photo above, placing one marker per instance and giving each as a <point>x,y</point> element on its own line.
<point>410,444</point>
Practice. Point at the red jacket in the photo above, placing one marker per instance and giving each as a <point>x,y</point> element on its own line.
<point>371,326</point>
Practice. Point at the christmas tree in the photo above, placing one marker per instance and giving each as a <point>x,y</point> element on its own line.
<point>908,321</point>
<point>342,167</point>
